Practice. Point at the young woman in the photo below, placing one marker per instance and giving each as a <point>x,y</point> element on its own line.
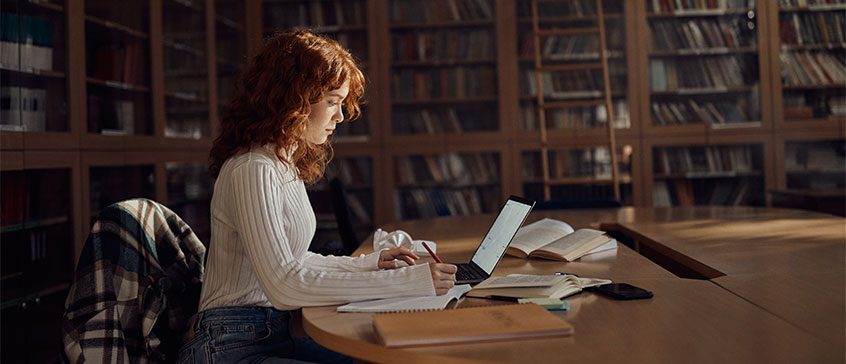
<point>273,142</point>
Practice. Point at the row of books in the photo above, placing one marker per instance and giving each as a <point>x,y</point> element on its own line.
<point>109,115</point>
<point>453,82</point>
<point>701,72</point>
<point>117,62</point>
<point>352,171</point>
<point>314,13</point>
<point>706,161</point>
<point>25,41</point>
<point>355,42</point>
<point>458,168</point>
<point>700,34</point>
<point>572,8</point>
<point>815,156</point>
<point>465,118</point>
<point>569,84</point>
<point>425,11</point>
<point>812,28</point>
<point>23,108</point>
<point>681,6</point>
<point>815,104</point>
<point>813,68</point>
<point>594,162</point>
<point>684,192</point>
<point>710,112</point>
<point>580,47</point>
<point>33,195</point>
<point>582,117</point>
<point>421,203</point>
<point>442,45</point>
<point>809,3</point>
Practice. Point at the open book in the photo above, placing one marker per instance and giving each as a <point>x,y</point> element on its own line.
<point>401,304</point>
<point>533,286</point>
<point>557,240</point>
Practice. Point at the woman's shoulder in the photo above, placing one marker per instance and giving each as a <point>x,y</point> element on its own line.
<point>258,157</point>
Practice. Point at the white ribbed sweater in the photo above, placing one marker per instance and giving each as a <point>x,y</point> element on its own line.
<point>262,223</point>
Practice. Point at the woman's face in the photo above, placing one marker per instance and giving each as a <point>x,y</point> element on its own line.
<point>326,114</point>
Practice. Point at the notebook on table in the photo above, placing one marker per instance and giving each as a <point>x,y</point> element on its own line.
<point>496,241</point>
<point>468,325</point>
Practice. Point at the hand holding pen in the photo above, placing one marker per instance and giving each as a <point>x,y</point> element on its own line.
<point>443,275</point>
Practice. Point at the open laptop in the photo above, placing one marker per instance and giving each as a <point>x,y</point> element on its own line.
<point>490,251</point>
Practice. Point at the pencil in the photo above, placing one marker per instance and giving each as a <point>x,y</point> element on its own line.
<point>431,252</point>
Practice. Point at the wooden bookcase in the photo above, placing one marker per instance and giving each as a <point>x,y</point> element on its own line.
<point>112,112</point>
<point>704,79</point>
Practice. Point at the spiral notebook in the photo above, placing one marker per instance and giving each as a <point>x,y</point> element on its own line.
<point>403,304</point>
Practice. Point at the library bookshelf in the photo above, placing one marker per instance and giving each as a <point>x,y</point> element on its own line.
<point>698,82</point>
<point>104,104</point>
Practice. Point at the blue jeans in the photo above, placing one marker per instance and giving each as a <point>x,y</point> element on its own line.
<point>243,334</point>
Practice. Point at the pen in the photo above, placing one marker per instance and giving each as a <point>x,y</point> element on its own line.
<point>431,252</point>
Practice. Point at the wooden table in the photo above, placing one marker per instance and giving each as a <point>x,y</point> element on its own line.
<point>772,289</point>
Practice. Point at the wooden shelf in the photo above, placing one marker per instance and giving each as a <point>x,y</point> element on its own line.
<point>703,91</point>
<point>811,87</point>
<point>32,71</point>
<point>117,85</point>
<point>567,19</point>
<point>702,52</point>
<point>44,5</point>
<point>443,24</point>
<point>445,101</point>
<point>699,13</point>
<point>441,63</point>
<point>117,27</point>
<point>813,47</point>
<point>826,7</point>
<point>34,224</point>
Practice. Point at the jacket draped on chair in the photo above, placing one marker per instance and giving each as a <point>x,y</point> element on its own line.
<point>136,285</point>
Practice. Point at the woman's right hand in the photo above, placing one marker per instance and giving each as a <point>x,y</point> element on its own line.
<point>443,277</point>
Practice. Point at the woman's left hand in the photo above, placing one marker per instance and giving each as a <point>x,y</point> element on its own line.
<point>386,258</point>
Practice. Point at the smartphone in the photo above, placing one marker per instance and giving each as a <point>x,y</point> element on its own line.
<point>622,291</point>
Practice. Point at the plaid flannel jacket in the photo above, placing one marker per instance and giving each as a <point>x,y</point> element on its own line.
<point>136,285</point>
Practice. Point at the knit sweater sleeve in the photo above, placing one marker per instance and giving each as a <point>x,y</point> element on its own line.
<point>342,264</point>
<point>287,279</point>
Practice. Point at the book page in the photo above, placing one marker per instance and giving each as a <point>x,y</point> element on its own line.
<point>572,242</point>
<point>520,280</point>
<point>539,233</point>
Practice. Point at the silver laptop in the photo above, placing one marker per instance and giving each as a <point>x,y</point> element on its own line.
<point>490,251</point>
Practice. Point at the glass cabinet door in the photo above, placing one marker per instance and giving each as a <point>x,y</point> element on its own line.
<point>572,97</point>
<point>33,66</point>
<point>117,42</point>
<point>231,47</point>
<point>342,20</point>
<point>812,61</point>
<point>186,69</point>
<point>703,65</point>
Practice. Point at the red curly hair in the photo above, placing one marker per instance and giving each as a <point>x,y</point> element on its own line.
<point>273,99</point>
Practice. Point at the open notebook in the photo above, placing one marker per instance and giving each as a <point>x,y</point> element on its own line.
<point>403,304</point>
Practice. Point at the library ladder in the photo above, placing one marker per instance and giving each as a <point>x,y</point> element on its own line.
<point>540,68</point>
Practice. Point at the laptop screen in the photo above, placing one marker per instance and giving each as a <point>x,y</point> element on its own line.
<point>504,228</point>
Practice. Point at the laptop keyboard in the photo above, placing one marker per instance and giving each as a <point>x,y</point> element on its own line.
<point>465,273</point>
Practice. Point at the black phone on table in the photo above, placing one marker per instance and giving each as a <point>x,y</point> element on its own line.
<point>622,291</point>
